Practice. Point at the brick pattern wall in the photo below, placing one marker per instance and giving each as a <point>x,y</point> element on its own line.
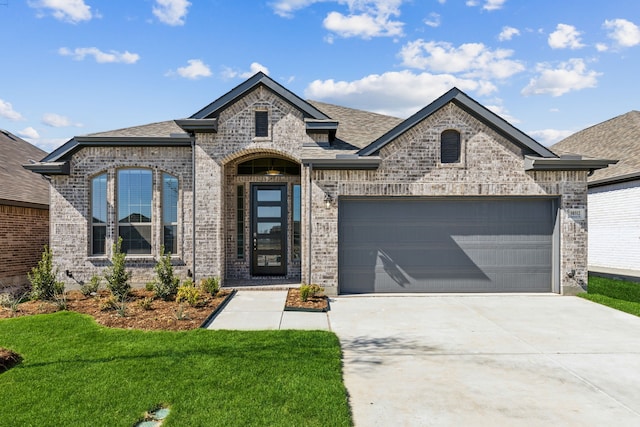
<point>490,166</point>
<point>23,233</point>
<point>217,158</point>
<point>71,203</point>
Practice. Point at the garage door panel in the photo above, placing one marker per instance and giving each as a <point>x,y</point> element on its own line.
<point>450,245</point>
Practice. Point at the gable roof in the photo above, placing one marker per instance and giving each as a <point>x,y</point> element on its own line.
<point>616,138</point>
<point>472,107</point>
<point>212,110</point>
<point>19,186</point>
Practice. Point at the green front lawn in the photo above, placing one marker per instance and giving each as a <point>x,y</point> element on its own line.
<point>618,294</point>
<point>77,373</point>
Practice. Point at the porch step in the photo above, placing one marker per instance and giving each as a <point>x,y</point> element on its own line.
<point>261,284</point>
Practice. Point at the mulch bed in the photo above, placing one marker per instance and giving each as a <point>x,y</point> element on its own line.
<point>313,303</point>
<point>162,315</point>
<point>8,359</point>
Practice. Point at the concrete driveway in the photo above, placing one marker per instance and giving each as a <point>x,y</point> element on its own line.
<point>488,360</point>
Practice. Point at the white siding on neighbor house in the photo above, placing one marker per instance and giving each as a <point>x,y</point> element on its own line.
<point>614,226</point>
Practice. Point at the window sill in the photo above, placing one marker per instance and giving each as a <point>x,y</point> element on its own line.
<point>262,139</point>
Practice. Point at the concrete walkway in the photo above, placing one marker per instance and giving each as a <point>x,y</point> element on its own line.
<point>260,310</point>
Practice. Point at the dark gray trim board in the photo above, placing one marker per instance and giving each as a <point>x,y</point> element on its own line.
<point>73,145</point>
<point>471,106</point>
<point>49,168</point>
<point>614,180</point>
<point>198,125</point>
<point>565,163</point>
<point>357,163</point>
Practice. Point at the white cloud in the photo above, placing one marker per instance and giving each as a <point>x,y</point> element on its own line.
<point>28,132</point>
<point>433,20</point>
<point>195,70</point>
<point>398,93</point>
<point>286,8</point>
<point>493,4</point>
<point>101,57</point>
<point>549,137</point>
<point>7,111</point>
<point>365,18</point>
<point>47,144</point>
<point>568,76</point>
<point>565,36</point>
<point>624,33</point>
<point>470,59</point>
<point>507,33</point>
<point>601,47</point>
<point>72,11</point>
<point>230,73</point>
<point>171,12</point>
<point>488,4</point>
<point>503,112</point>
<point>57,121</point>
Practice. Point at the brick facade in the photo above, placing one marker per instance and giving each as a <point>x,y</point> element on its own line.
<point>490,165</point>
<point>23,232</point>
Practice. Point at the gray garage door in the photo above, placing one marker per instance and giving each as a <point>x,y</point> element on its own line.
<point>446,245</point>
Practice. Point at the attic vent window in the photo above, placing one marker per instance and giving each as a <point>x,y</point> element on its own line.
<point>262,123</point>
<point>450,146</point>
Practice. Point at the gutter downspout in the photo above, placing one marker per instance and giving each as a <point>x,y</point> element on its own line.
<point>193,207</point>
<point>309,220</point>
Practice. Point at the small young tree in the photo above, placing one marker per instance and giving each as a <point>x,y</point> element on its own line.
<point>166,284</point>
<point>116,275</point>
<point>43,278</point>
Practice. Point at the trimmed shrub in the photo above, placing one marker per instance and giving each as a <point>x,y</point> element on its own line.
<point>43,278</point>
<point>91,287</point>
<point>166,284</point>
<point>210,285</point>
<point>307,291</point>
<point>116,275</point>
<point>189,293</point>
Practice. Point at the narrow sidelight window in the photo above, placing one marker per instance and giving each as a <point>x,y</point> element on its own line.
<point>134,210</point>
<point>170,212</point>
<point>450,146</point>
<point>296,221</point>
<point>99,214</point>
<point>240,221</point>
<point>262,123</point>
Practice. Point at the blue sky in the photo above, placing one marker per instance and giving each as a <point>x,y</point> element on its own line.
<point>551,68</point>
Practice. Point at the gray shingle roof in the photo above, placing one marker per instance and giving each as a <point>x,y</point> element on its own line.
<point>16,183</point>
<point>357,127</point>
<point>159,129</point>
<point>615,139</point>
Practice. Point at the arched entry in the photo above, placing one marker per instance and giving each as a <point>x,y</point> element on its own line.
<point>264,225</point>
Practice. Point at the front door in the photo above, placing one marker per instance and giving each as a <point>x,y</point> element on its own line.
<point>269,229</point>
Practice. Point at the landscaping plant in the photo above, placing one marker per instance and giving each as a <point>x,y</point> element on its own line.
<point>166,284</point>
<point>210,285</point>
<point>43,278</point>
<point>117,277</point>
<point>188,292</point>
<point>91,287</point>
<point>307,291</point>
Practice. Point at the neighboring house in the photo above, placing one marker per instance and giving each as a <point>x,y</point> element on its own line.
<point>614,193</point>
<point>262,186</point>
<point>24,211</point>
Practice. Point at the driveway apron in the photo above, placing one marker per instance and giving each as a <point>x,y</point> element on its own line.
<point>518,360</point>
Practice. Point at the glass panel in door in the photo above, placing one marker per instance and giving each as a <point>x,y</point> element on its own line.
<point>269,229</point>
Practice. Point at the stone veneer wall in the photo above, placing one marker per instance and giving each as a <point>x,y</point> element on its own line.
<point>71,203</point>
<point>490,166</point>
<point>23,233</point>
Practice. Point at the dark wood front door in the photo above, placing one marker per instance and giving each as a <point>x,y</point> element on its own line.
<point>269,229</point>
